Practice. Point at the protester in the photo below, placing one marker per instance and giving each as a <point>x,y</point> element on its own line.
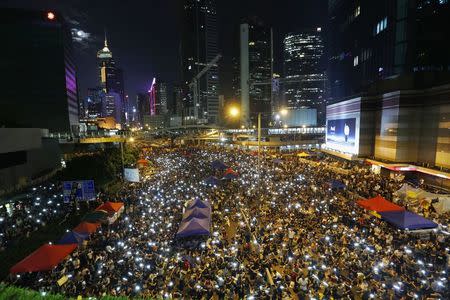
<point>279,231</point>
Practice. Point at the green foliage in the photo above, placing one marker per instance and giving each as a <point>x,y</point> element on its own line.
<point>102,167</point>
<point>16,293</point>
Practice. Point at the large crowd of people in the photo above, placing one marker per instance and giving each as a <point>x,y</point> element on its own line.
<point>279,231</point>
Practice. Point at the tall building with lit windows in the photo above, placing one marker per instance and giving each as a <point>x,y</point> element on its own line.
<point>371,41</point>
<point>304,71</point>
<point>111,82</point>
<point>37,71</point>
<point>199,45</point>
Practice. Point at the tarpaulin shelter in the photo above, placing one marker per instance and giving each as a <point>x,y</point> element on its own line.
<point>96,216</point>
<point>218,165</point>
<point>379,204</point>
<point>277,161</point>
<point>143,162</point>
<point>44,258</point>
<point>72,238</point>
<point>230,171</point>
<point>337,185</point>
<point>212,180</point>
<point>230,176</point>
<point>111,207</point>
<point>196,212</point>
<point>199,203</point>
<point>302,154</point>
<point>407,220</point>
<point>85,227</point>
<point>443,205</point>
<point>193,227</point>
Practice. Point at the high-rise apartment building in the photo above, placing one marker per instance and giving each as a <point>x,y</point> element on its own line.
<point>374,40</point>
<point>255,71</point>
<point>199,45</point>
<point>38,71</point>
<point>304,71</point>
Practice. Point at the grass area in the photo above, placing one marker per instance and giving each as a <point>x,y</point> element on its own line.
<point>12,292</point>
<point>24,246</point>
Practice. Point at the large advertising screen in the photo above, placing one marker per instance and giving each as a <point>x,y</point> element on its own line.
<point>342,135</point>
<point>78,190</point>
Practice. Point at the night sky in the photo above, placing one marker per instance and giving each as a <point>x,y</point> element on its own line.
<point>143,35</point>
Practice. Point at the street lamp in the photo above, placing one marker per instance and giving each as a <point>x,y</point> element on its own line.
<point>234,112</point>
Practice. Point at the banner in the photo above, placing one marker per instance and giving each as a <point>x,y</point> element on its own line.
<point>78,190</point>
<point>131,175</point>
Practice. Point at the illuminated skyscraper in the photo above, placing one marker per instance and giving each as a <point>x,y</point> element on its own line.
<point>199,45</point>
<point>304,71</point>
<point>111,81</point>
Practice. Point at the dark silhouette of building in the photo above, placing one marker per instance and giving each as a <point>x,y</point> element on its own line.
<point>37,71</point>
<point>199,45</point>
<point>374,40</point>
<point>255,57</point>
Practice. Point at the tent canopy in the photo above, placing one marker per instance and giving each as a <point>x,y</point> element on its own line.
<point>217,164</point>
<point>110,207</point>
<point>87,228</point>
<point>194,227</point>
<point>230,171</point>
<point>443,205</point>
<point>302,154</point>
<point>143,161</point>
<point>72,238</point>
<point>277,161</point>
<point>407,220</point>
<point>96,216</point>
<point>230,176</point>
<point>379,204</point>
<point>212,180</point>
<point>44,258</point>
<point>336,184</point>
<point>199,203</point>
<point>196,212</point>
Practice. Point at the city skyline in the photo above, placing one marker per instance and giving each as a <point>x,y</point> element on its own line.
<point>137,45</point>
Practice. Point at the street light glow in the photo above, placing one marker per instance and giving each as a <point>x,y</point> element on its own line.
<point>234,111</point>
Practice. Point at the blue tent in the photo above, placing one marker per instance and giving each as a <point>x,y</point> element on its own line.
<point>199,203</point>
<point>337,185</point>
<point>212,180</point>
<point>193,227</point>
<point>217,164</point>
<point>196,212</point>
<point>72,238</point>
<point>230,176</point>
<point>407,220</point>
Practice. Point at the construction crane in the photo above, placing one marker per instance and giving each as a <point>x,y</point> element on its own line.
<point>193,86</point>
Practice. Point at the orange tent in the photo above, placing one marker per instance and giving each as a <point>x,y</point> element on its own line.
<point>379,204</point>
<point>110,207</point>
<point>143,162</point>
<point>85,227</point>
<point>230,170</point>
<point>44,258</point>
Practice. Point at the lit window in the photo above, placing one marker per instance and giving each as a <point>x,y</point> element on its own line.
<point>357,11</point>
<point>355,61</point>
<point>381,25</point>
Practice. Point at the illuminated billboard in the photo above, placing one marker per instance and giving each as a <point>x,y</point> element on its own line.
<point>78,190</point>
<point>342,135</point>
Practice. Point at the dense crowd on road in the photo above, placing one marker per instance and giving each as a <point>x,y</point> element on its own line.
<point>278,232</point>
<point>30,211</point>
